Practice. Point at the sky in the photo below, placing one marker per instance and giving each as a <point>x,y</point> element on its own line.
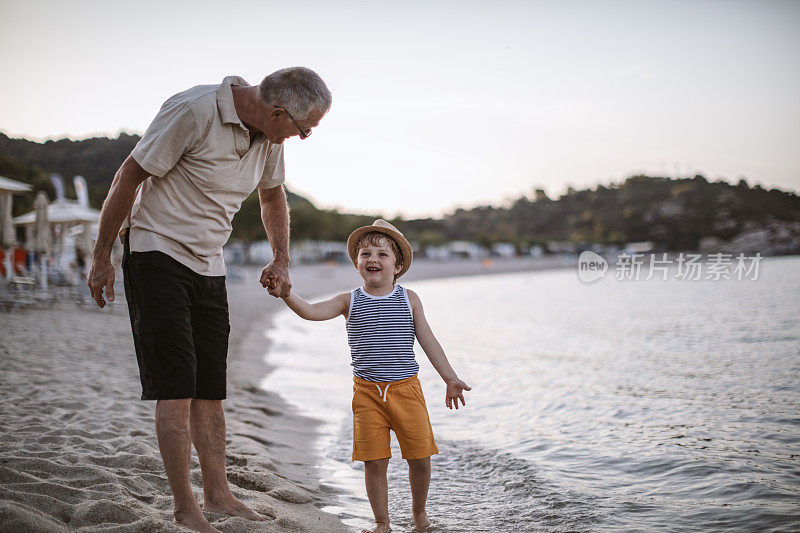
<point>438,104</point>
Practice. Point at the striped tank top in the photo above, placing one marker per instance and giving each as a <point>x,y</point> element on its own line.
<point>380,331</point>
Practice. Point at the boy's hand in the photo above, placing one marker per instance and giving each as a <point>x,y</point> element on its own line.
<point>454,393</point>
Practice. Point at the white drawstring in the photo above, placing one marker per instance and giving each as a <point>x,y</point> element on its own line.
<point>382,392</point>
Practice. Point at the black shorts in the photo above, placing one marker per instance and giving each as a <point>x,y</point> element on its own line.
<point>180,327</point>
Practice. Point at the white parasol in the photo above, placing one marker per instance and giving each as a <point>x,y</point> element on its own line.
<point>84,239</point>
<point>62,212</point>
<point>43,237</point>
<point>8,235</point>
<point>42,233</point>
<point>9,185</point>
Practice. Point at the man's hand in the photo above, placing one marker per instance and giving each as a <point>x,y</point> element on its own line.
<point>454,393</point>
<point>101,276</point>
<point>275,278</point>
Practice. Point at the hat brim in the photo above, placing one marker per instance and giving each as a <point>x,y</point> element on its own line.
<point>402,242</point>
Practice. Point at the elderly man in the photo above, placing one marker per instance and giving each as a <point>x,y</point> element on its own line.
<point>207,149</point>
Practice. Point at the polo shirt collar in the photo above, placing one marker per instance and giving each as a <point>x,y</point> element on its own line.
<point>227,110</point>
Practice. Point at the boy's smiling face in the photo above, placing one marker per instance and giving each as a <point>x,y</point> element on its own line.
<point>377,264</point>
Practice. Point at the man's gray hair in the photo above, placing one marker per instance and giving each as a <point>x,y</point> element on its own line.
<point>298,90</point>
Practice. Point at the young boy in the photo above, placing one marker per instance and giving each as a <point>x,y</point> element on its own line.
<point>382,321</point>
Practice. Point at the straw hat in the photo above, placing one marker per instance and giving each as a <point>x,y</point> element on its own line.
<point>381,226</point>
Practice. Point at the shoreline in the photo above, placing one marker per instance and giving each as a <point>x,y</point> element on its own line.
<point>79,450</point>
<point>316,280</point>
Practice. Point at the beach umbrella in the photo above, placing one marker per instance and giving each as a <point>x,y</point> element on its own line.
<point>13,186</point>
<point>8,235</point>
<point>67,212</point>
<point>84,242</point>
<point>29,239</point>
<point>83,247</point>
<point>42,234</point>
<point>81,190</point>
<point>61,214</point>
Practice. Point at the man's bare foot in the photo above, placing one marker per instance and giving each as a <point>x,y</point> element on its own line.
<point>421,522</point>
<point>380,527</point>
<point>195,522</point>
<point>233,507</point>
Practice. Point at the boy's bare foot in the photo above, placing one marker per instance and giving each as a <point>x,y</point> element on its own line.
<point>195,522</point>
<point>421,522</point>
<point>233,507</point>
<point>380,527</point>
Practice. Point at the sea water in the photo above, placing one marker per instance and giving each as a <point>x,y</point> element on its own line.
<point>611,406</point>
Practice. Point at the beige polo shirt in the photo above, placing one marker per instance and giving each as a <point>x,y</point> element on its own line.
<point>203,163</point>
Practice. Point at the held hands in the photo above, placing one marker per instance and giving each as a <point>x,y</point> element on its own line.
<point>101,276</point>
<point>275,278</point>
<point>454,393</point>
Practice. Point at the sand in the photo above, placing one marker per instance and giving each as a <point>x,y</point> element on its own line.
<point>78,448</point>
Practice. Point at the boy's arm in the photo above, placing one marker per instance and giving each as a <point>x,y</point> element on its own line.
<point>324,310</point>
<point>435,353</point>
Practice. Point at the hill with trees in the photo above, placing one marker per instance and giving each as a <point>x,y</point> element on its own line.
<point>96,159</point>
<point>675,214</point>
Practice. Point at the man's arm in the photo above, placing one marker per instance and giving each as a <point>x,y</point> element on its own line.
<point>116,207</point>
<point>435,353</point>
<point>275,217</point>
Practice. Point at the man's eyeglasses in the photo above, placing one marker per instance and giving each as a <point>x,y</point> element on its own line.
<point>303,133</point>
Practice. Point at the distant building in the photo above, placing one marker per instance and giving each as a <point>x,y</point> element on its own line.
<point>234,253</point>
<point>604,248</point>
<point>639,247</point>
<point>318,251</point>
<point>562,247</point>
<point>536,251</point>
<point>455,250</point>
<point>466,250</point>
<point>437,253</point>
<point>504,249</point>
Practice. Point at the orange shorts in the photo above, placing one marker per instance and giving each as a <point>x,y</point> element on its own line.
<point>396,405</point>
